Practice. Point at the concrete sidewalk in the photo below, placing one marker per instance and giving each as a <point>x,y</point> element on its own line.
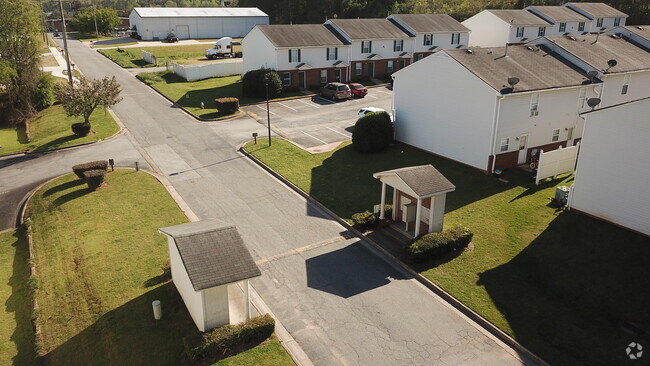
<point>60,71</point>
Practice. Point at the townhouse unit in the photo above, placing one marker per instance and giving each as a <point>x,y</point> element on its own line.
<point>498,107</point>
<point>498,27</point>
<point>432,32</point>
<point>565,21</point>
<point>602,16</point>
<point>305,55</point>
<point>378,47</point>
<point>639,34</point>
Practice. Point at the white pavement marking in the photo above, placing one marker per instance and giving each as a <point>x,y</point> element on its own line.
<point>340,133</point>
<point>327,100</point>
<point>309,104</point>
<point>315,138</point>
<point>284,105</point>
<point>264,109</point>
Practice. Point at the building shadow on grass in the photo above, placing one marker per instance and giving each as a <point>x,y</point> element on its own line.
<point>578,293</point>
<point>129,335</point>
<point>349,271</point>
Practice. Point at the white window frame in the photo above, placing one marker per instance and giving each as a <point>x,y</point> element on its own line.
<point>294,55</point>
<point>419,56</point>
<point>331,53</point>
<point>520,32</point>
<point>626,84</point>
<point>323,76</point>
<point>541,32</point>
<point>599,22</point>
<point>390,66</point>
<point>569,134</point>
<point>455,38</point>
<point>563,27</point>
<point>428,39</point>
<point>358,68</point>
<point>582,98</point>
<point>398,45</point>
<point>555,135</point>
<point>617,22</point>
<point>534,105</point>
<point>505,144</point>
<point>581,27</point>
<point>366,46</point>
<point>287,81</point>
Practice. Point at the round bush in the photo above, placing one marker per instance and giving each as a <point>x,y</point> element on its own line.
<point>253,83</point>
<point>364,220</point>
<point>227,105</point>
<point>81,128</point>
<point>372,132</point>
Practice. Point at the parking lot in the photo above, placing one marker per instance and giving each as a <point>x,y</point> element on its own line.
<point>315,121</point>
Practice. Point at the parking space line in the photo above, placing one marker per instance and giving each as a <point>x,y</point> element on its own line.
<point>315,138</point>
<point>284,105</point>
<point>340,133</point>
<point>327,100</point>
<point>264,109</point>
<point>370,96</point>
<point>311,105</point>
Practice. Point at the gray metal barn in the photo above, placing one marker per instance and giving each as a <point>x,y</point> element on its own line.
<point>195,23</point>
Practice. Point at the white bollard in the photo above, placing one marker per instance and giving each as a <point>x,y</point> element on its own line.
<point>157,309</point>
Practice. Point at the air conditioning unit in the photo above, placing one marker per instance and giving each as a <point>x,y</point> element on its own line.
<point>534,113</point>
<point>408,212</point>
<point>562,195</point>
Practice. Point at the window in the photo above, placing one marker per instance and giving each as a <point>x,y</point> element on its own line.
<point>402,64</point>
<point>599,22</point>
<point>520,32</point>
<point>534,104</point>
<point>626,83</point>
<point>366,46</point>
<point>455,38</point>
<point>419,56</point>
<point>581,27</point>
<point>569,134</point>
<point>541,32</point>
<point>332,53</point>
<point>556,135</point>
<point>562,27</point>
<point>294,55</point>
<point>428,39</point>
<point>286,78</point>
<point>617,22</point>
<point>323,76</point>
<point>358,68</point>
<point>582,98</point>
<point>398,45</point>
<point>505,144</point>
<point>389,66</point>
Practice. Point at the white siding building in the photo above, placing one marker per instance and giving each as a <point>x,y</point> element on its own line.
<point>602,16</point>
<point>194,23</point>
<point>565,20</point>
<point>639,34</point>
<point>612,173</point>
<point>496,28</point>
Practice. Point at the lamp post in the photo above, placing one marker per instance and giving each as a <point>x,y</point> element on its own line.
<point>268,112</point>
<point>65,43</point>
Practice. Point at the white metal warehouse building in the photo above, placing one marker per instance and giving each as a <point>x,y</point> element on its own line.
<point>192,23</point>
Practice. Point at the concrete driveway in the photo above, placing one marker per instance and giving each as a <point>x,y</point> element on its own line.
<point>315,121</point>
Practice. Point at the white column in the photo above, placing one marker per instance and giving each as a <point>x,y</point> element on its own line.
<point>418,213</point>
<point>431,207</point>
<point>383,200</point>
<point>247,290</point>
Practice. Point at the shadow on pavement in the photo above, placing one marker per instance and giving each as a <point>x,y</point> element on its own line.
<point>115,41</point>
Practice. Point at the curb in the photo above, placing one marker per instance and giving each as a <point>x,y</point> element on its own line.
<point>448,298</point>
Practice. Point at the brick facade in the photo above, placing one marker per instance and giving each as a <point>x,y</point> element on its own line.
<point>380,67</point>
<point>424,227</point>
<point>312,77</point>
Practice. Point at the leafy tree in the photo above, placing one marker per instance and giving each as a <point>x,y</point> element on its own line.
<point>254,83</point>
<point>84,20</point>
<point>372,132</point>
<point>44,92</point>
<point>84,97</point>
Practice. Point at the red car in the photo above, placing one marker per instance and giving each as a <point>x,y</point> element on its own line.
<point>358,90</point>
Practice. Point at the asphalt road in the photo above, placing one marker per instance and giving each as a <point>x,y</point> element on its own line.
<point>341,301</point>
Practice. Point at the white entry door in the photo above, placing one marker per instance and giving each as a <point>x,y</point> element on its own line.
<point>523,139</point>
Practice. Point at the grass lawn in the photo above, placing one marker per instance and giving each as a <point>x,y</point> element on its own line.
<point>88,37</point>
<point>46,61</point>
<point>185,54</point>
<point>565,285</point>
<point>269,353</point>
<point>51,129</point>
<point>16,334</point>
<point>190,94</point>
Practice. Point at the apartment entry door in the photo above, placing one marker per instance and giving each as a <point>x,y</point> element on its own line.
<point>302,83</point>
<point>371,69</point>
<point>523,151</point>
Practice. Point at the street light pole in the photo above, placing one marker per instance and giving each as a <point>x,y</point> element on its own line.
<point>268,111</point>
<point>65,44</point>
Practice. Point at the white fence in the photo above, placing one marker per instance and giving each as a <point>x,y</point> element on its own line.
<point>149,57</point>
<point>553,163</point>
<point>199,72</point>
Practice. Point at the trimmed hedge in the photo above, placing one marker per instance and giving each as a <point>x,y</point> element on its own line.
<point>437,244</point>
<point>364,220</point>
<point>94,178</point>
<point>227,105</point>
<point>79,169</point>
<point>81,128</point>
<point>220,340</point>
<point>253,83</point>
<point>372,132</point>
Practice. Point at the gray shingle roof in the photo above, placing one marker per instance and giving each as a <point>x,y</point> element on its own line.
<point>198,12</point>
<point>213,253</point>
<point>535,68</point>
<point>561,13</point>
<point>424,180</point>
<point>598,10</point>
<point>629,57</point>
<point>431,23</point>
<point>300,35</point>
<point>640,30</point>
<point>362,29</point>
<point>519,17</point>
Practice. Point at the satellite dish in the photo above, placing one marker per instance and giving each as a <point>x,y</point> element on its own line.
<point>593,102</point>
<point>592,74</point>
<point>513,81</point>
<point>612,63</point>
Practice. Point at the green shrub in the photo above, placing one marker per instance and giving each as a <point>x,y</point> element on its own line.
<point>253,83</point>
<point>220,340</point>
<point>227,105</point>
<point>372,132</point>
<point>79,169</point>
<point>81,128</point>
<point>43,95</point>
<point>364,220</point>
<point>437,244</point>
<point>94,178</point>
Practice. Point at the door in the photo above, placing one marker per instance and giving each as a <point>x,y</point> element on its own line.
<point>301,80</point>
<point>183,31</point>
<point>523,151</point>
<point>337,75</point>
<point>371,69</point>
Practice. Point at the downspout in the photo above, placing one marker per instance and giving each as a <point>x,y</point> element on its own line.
<point>495,126</point>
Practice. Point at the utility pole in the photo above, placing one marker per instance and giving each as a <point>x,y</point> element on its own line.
<point>65,44</point>
<point>44,25</point>
<point>95,17</point>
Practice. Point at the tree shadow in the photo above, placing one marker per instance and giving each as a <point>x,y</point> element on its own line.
<point>58,142</point>
<point>71,196</point>
<point>577,294</point>
<point>63,187</point>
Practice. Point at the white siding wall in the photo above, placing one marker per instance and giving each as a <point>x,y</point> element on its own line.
<point>135,20</point>
<point>198,27</point>
<point>442,40</point>
<point>488,30</point>
<point>258,51</point>
<point>638,87</point>
<point>215,303</point>
<point>607,23</point>
<point>571,28</point>
<point>192,299</point>
<point>530,33</point>
<point>383,48</point>
<point>314,56</point>
<point>611,181</point>
<point>431,118</point>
